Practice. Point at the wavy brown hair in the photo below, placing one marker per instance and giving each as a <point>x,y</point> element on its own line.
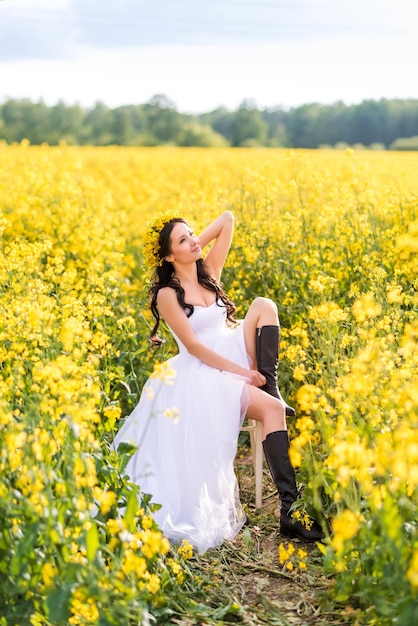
<point>164,277</point>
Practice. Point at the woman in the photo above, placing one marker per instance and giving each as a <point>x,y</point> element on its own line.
<point>225,372</point>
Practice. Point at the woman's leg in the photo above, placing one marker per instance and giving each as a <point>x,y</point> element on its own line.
<point>262,312</point>
<point>262,342</point>
<point>271,412</point>
<point>266,409</point>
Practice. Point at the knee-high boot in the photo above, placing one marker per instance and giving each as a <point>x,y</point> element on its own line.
<point>267,345</point>
<point>276,450</point>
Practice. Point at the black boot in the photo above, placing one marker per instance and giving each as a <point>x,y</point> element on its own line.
<point>276,450</point>
<point>267,344</point>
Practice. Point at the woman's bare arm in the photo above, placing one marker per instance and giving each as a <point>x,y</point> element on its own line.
<point>220,231</point>
<point>175,317</point>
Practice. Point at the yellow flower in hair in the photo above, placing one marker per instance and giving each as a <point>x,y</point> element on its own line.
<point>151,238</point>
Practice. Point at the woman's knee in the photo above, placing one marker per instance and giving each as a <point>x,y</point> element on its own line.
<point>270,406</point>
<point>267,409</point>
<point>263,303</point>
<point>276,419</point>
<point>263,311</point>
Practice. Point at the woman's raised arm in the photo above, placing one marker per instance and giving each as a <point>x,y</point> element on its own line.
<point>220,231</point>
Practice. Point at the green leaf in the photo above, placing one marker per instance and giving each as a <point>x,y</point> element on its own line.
<point>131,507</point>
<point>24,551</point>
<point>58,602</point>
<point>125,451</point>
<point>246,537</point>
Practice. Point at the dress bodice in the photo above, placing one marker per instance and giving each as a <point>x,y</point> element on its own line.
<point>206,317</point>
<point>208,322</point>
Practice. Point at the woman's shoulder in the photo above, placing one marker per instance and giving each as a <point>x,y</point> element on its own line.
<point>166,294</point>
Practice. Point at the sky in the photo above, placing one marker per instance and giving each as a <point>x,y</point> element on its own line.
<point>203,54</point>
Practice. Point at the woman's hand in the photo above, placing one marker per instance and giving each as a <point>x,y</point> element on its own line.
<point>255,378</point>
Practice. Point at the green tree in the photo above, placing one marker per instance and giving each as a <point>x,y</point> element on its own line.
<point>98,125</point>
<point>23,119</point>
<point>276,127</point>
<point>405,143</point>
<point>162,119</point>
<point>195,134</point>
<point>220,120</point>
<point>302,126</point>
<point>65,123</point>
<point>248,126</point>
<point>128,124</point>
<point>370,123</point>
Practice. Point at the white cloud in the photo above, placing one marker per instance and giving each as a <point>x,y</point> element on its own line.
<point>365,49</point>
<point>14,5</point>
<point>200,78</point>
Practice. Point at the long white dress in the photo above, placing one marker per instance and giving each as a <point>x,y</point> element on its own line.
<point>187,464</point>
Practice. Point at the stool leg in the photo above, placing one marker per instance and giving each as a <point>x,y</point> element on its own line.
<point>258,465</point>
<point>255,430</point>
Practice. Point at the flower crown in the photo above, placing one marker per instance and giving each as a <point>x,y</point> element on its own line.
<point>151,238</point>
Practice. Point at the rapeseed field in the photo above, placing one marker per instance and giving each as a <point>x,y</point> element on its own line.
<point>332,238</point>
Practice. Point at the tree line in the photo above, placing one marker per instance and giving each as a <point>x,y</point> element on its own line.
<point>385,124</point>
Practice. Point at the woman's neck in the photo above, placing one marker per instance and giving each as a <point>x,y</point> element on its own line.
<point>186,274</point>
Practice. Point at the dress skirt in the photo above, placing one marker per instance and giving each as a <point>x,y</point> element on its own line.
<point>186,428</point>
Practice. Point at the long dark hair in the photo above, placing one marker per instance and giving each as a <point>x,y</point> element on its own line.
<point>164,277</point>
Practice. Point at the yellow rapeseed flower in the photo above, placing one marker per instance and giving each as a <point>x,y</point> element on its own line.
<point>366,307</point>
<point>185,550</point>
<point>344,527</point>
<point>49,573</point>
<point>413,570</point>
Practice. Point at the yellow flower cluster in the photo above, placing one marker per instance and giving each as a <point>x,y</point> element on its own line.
<point>185,550</point>
<point>291,557</point>
<point>345,526</point>
<point>84,610</point>
<point>413,570</point>
<point>164,371</point>
<point>151,238</point>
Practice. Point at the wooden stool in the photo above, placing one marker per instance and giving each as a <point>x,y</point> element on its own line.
<point>255,428</point>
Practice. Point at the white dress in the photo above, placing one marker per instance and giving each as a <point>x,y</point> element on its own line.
<point>187,464</point>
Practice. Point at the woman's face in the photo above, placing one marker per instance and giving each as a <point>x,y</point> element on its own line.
<point>184,245</point>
